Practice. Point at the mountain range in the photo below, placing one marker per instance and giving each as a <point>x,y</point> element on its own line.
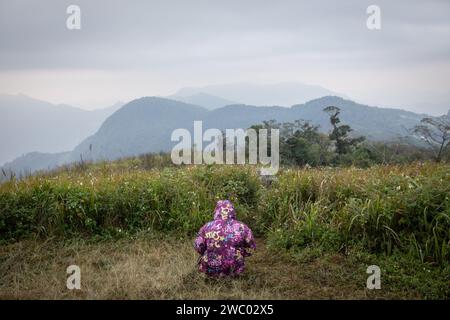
<point>279,94</point>
<point>29,124</point>
<point>202,99</point>
<point>145,125</point>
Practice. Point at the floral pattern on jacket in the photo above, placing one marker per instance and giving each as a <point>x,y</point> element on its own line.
<point>224,243</point>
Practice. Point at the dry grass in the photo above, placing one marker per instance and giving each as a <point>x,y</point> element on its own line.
<point>148,268</point>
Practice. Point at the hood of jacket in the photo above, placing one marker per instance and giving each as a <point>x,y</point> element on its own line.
<point>224,210</point>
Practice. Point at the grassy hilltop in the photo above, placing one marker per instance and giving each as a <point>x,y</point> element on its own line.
<point>130,229</point>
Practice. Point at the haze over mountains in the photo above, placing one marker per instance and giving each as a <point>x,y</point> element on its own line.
<point>205,100</point>
<point>279,94</point>
<point>145,125</point>
<point>29,124</point>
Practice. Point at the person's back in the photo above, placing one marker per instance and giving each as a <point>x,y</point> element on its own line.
<point>224,242</point>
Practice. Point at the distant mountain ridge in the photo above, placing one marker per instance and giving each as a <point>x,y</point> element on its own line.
<point>28,124</point>
<point>279,94</point>
<point>205,100</point>
<point>145,125</point>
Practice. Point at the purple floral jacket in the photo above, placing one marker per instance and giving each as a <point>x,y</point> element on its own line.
<point>224,242</point>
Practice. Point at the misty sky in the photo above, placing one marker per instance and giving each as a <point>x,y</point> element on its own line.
<point>129,49</point>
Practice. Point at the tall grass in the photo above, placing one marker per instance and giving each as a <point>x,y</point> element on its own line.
<point>110,201</point>
<point>384,209</point>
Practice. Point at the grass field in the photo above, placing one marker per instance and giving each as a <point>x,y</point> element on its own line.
<point>149,268</point>
<point>131,229</point>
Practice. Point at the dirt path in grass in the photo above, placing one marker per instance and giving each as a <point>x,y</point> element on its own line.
<point>148,268</point>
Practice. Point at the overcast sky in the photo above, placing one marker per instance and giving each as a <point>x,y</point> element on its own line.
<point>129,49</point>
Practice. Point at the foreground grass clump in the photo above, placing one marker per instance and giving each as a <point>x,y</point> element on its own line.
<point>104,200</point>
<point>384,209</point>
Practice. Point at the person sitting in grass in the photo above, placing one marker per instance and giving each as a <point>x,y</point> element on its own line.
<point>224,243</point>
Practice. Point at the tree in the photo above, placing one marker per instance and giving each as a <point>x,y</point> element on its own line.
<point>436,133</point>
<point>304,144</point>
<point>340,133</point>
<point>301,142</point>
